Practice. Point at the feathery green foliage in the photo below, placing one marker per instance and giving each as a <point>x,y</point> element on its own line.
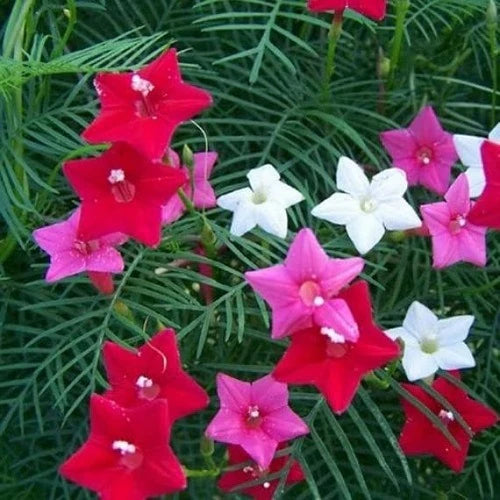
<point>263,61</point>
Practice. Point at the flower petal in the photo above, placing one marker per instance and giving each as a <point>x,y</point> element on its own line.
<point>340,208</point>
<point>365,232</point>
<point>351,179</point>
<point>494,135</point>
<point>284,194</point>
<point>398,215</point>
<point>400,144</point>
<point>283,424</point>
<point>417,364</point>
<point>390,183</point>
<point>263,177</point>
<point>65,264</point>
<point>234,394</point>
<point>420,321</point>
<point>272,218</point>
<point>105,259</point>
<point>244,219</point>
<point>453,330</point>
<point>269,394</point>
<point>477,181</point>
<point>231,201</point>
<point>454,357</point>
<point>457,196</point>
<point>469,149</point>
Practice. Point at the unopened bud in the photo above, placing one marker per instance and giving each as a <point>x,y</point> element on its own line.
<point>384,67</point>
<point>187,157</point>
<point>206,447</point>
<point>67,13</point>
<point>492,13</point>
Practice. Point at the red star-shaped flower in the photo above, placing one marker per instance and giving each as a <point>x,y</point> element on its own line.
<point>152,372</point>
<point>144,108</point>
<point>122,191</point>
<point>126,456</point>
<point>420,436</point>
<point>230,481</point>
<point>486,212</point>
<point>370,8</point>
<point>325,359</point>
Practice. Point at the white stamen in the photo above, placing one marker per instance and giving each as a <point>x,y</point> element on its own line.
<point>144,382</point>
<point>116,175</point>
<point>368,205</point>
<point>426,160</point>
<point>335,337</point>
<point>123,447</point>
<point>446,415</point>
<point>253,412</point>
<point>141,85</point>
<point>248,469</point>
<point>267,485</point>
<point>318,301</point>
<point>461,221</point>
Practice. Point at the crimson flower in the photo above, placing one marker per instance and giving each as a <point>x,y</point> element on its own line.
<point>420,436</point>
<point>370,8</point>
<point>126,456</point>
<point>122,191</point>
<point>230,481</point>
<point>423,150</point>
<point>334,365</point>
<point>486,212</point>
<point>152,372</point>
<point>144,108</point>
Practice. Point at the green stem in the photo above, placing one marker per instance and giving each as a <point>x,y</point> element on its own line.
<point>402,7</point>
<point>202,473</point>
<point>187,202</point>
<point>333,38</point>
<point>492,30</point>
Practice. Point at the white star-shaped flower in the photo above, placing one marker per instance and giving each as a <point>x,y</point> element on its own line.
<point>262,204</point>
<point>469,150</point>
<point>368,209</point>
<point>431,343</point>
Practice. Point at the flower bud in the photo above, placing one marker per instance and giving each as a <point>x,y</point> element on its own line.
<point>187,157</point>
<point>492,13</point>
<point>206,447</point>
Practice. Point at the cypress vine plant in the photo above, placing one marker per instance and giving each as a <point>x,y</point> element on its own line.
<point>290,89</point>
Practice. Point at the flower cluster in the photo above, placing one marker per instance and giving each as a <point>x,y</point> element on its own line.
<point>319,302</point>
<point>127,454</point>
<point>131,188</point>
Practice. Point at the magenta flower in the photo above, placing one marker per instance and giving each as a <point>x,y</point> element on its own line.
<point>423,150</point>
<point>255,416</point>
<point>302,291</point>
<point>202,196</point>
<point>70,256</point>
<point>454,238</point>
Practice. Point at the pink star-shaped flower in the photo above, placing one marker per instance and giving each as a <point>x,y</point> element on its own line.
<point>423,150</point>
<point>255,416</point>
<point>145,107</point>
<point>454,238</point>
<point>197,188</point>
<point>302,291</point>
<point>70,255</point>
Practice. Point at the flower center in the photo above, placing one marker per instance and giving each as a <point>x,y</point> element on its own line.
<point>254,417</point>
<point>457,224</point>
<point>429,344</point>
<point>334,337</point>
<point>146,388</point>
<point>141,85</point>
<point>86,247</point>
<point>122,190</point>
<point>130,456</point>
<point>368,205</point>
<point>259,197</point>
<point>446,416</point>
<point>310,293</point>
<point>424,154</point>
